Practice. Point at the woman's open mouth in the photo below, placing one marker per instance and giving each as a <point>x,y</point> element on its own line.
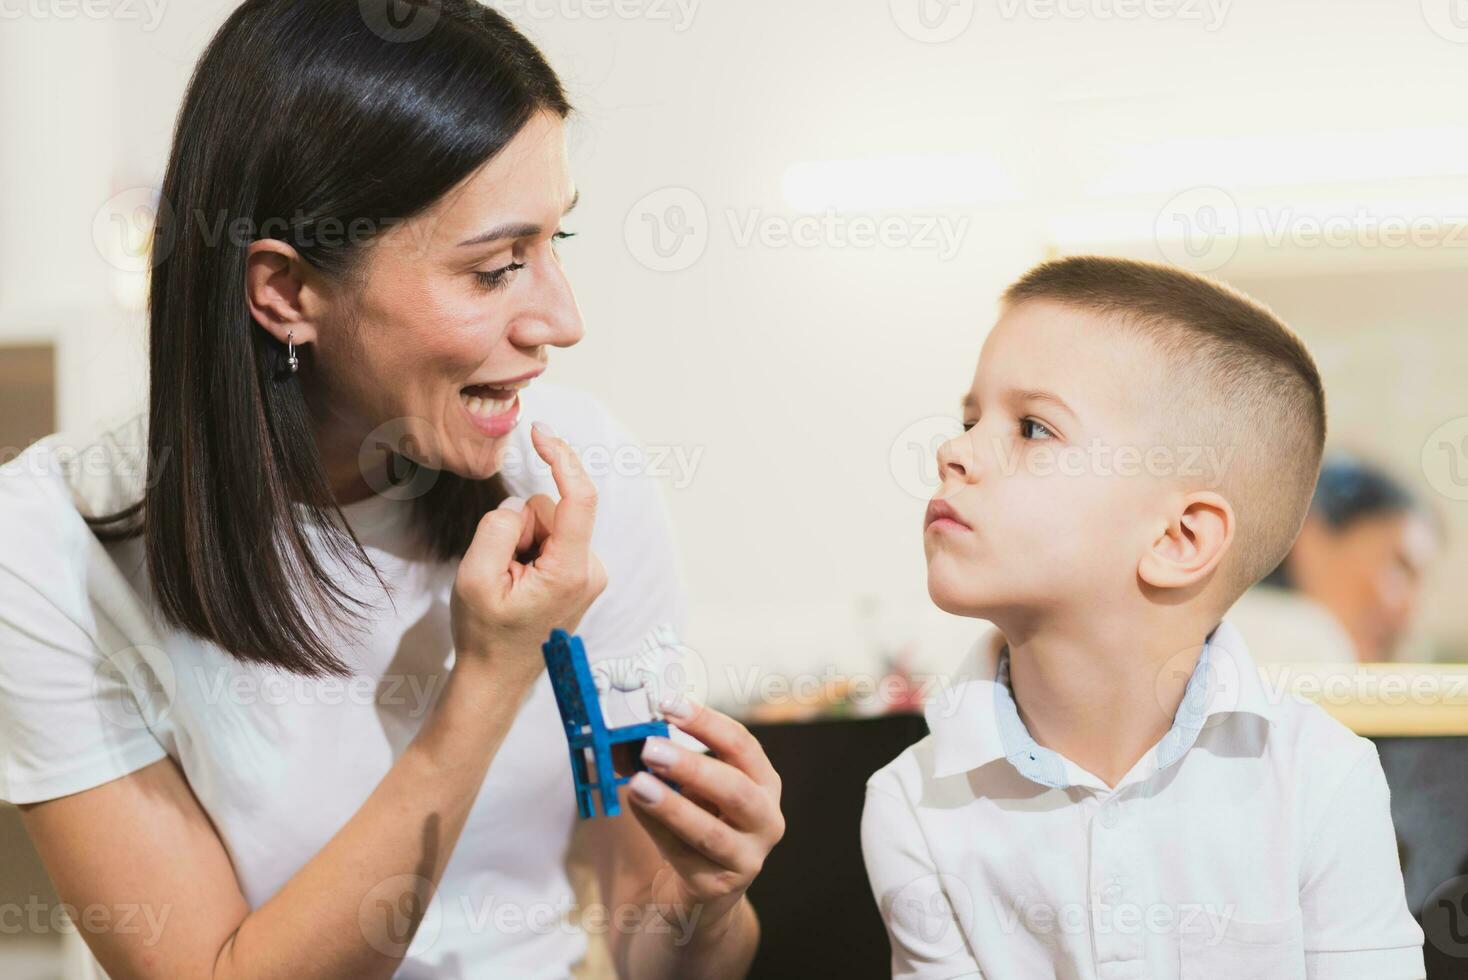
<point>493,409</point>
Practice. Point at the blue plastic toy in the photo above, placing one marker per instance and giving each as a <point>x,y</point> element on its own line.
<point>589,738</point>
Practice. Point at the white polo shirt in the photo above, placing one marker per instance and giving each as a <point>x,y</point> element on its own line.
<point>1253,842</point>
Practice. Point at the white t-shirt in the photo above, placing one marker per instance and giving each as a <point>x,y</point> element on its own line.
<point>93,686</point>
<point>1253,842</point>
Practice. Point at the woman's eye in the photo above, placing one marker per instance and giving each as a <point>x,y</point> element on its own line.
<point>497,278</point>
<point>1034,429</point>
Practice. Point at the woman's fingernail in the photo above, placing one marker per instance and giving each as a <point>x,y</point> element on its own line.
<point>512,503</point>
<point>543,428</point>
<point>676,706</point>
<point>646,788</point>
<point>658,751</point>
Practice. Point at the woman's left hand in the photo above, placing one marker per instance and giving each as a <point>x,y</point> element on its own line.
<point>715,833</point>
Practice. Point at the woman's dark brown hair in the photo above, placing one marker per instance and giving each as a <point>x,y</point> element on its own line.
<point>304,119</point>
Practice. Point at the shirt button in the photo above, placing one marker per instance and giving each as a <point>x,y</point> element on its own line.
<point>1110,814</point>
<point>1112,893</point>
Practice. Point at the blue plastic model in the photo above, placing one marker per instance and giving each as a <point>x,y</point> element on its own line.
<point>586,731</point>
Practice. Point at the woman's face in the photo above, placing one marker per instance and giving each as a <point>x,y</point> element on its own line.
<point>456,314</point>
<point>1368,574</point>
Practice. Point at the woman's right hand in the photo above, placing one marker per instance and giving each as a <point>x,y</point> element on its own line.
<point>529,569</point>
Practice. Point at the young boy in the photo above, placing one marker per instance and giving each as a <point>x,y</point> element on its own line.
<point>1108,790</point>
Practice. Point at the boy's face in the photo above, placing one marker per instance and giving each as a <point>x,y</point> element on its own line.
<point>1052,509</point>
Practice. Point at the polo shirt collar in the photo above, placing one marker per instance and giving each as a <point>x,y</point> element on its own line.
<point>974,720</point>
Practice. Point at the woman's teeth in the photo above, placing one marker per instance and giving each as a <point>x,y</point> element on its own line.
<point>489,407</point>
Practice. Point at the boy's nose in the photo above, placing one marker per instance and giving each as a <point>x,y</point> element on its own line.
<point>955,459</point>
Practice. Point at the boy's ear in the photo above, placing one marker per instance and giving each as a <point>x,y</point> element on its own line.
<point>1192,545</point>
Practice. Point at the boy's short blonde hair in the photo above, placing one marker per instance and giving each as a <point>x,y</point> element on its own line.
<point>1243,384</point>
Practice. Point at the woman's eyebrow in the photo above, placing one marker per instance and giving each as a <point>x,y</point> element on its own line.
<point>519,229</point>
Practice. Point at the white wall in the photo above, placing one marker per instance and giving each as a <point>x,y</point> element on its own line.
<point>795,370</point>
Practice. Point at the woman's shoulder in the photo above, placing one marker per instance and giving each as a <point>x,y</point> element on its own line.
<point>48,490</point>
<point>94,469</point>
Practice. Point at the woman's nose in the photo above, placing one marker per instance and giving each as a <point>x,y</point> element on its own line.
<point>551,315</point>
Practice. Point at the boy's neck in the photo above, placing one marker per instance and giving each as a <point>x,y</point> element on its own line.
<point>1102,692</point>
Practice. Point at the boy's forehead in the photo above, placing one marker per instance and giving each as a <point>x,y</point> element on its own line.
<point>1074,354</point>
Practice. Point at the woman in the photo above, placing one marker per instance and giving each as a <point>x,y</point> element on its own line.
<point>294,710</point>
<point>1348,589</point>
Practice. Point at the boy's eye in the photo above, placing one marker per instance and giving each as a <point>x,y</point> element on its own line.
<point>1034,429</point>
<point>969,425</point>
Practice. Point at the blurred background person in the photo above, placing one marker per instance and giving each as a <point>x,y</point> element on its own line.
<point>1348,590</point>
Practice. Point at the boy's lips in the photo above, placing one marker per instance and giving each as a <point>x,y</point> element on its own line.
<point>942,515</point>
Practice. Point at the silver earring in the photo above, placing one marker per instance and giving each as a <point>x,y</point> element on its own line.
<point>291,359</point>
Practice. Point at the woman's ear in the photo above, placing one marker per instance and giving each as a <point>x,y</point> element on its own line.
<point>1192,545</point>
<point>279,297</point>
